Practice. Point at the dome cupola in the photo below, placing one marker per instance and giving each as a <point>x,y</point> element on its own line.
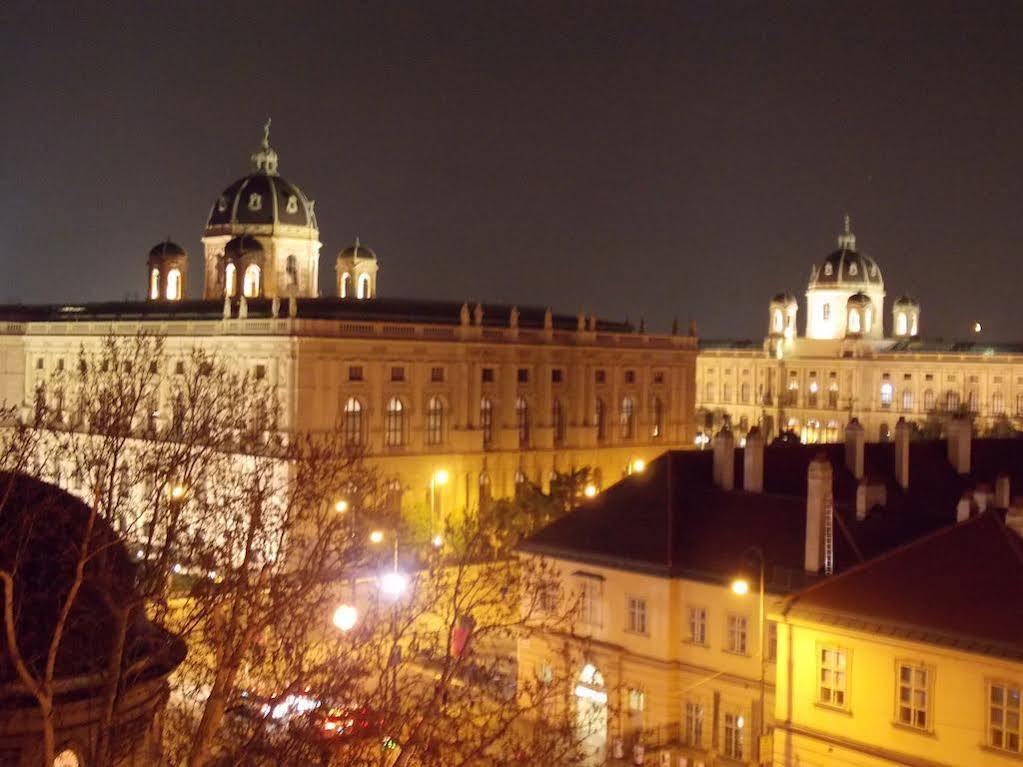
<point>167,267</point>
<point>356,270</point>
<point>782,316</point>
<point>905,317</point>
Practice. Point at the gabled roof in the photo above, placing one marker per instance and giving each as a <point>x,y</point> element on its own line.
<point>961,586</point>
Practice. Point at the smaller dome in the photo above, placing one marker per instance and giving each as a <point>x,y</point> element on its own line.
<point>358,251</point>
<point>239,246</point>
<point>905,300</point>
<point>166,248</point>
<point>859,299</point>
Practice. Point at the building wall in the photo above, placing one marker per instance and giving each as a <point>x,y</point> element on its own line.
<point>867,733</point>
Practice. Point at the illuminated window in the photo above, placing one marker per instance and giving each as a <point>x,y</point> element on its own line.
<point>627,418</point>
<point>592,602</point>
<point>637,615</point>
<point>291,269</point>
<point>1004,717</point>
<point>734,724</point>
<point>744,392</point>
<point>998,403</point>
<point>522,421</point>
<point>600,419</point>
<point>637,701</point>
<point>928,400</point>
<point>826,312</point>
<point>886,394</point>
<point>250,284</point>
<point>901,324</point>
<point>833,394</point>
<point>698,625</point>
<point>907,400</point>
<point>346,284</point>
<point>868,319</point>
<point>779,321</point>
<point>487,420</point>
<point>230,277</point>
<point>557,421</point>
<point>154,284</point>
<point>854,320</point>
<point>832,677</point>
<point>972,402</point>
<point>656,417</point>
<point>394,426</point>
<point>362,290</point>
<point>737,634</point>
<point>174,285</point>
<point>914,696</point>
<point>694,724</point>
<point>951,401</point>
<point>915,328</point>
<point>67,758</point>
<point>352,426</point>
<point>434,421</point>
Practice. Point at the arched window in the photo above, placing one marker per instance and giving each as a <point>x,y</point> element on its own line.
<point>154,284</point>
<point>485,492</point>
<point>521,482</point>
<point>363,287</point>
<point>346,284</point>
<point>292,270</point>
<point>392,497</point>
<point>928,401</point>
<point>230,278</point>
<point>915,328</point>
<point>972,402</point>
<point>250,285</point>
<point>998,403</point>
<point>657,416</point>
<point>394,426</point>
<point>833,395</point>
<point>886,394</point>
<point>557,421</point>
<point>352,425</point>
<point>951,401</point>
<point>67,758</point>
<point>744,391</point>
<point>868,319</point>
<point>434,421</point>
<point>487,420</point>
<point>600,419</point>
<point>907,400</point>
<point>627,418</point>
<point>174,285</point>
<point>726,392</point>
<point>854,320</point>
<point>522,421</point>
<point>901,324</point>
<point>779,321</point>
<point>811,396</point>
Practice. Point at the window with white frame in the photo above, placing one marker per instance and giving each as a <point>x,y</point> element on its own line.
<point>907,400</point>
<point>637,701</point>
<point>352,422</point>
<point>487,420</point>
<point>737,634</point>
<point>1004,730</point>
<point>394,423</point>
<point>592,602</point>
<point>698,625</point>
<point>886,394</point>
<point>694,724</point>
<point>435,421</point>
<point>914,696</point>
<point>637,615</point>
<point>734,724</point>
<point>832,677</point>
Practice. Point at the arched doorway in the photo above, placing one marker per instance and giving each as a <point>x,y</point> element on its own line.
<point>591,714</point>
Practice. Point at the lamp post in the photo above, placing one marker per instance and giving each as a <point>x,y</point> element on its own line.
<point>741,586</point>
<point>437,479</point>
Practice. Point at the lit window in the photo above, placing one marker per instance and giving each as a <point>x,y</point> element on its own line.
<point>522,421</point>
<point>628,418</point>
<point>915,328</point>
<point>951,401</point>
<point>230,275</point>
<point>868,319</point>
<point>832,677</point>
<point>434,421</point>
<point>394,432</point>
<point>174,285</point>
<point>591,612</point>
<point>914,696</point>
<point>854,320</point>
<point>352,425</point>
<point>1004,717</point>
<point>67,758</point>
<point>998,403</point>
<point>779,321</point>
<point>694,724</point>
<point>637,701</point>
<point>154,284</point>
<point>928,400</point>
<point>886,394</point>
<point>744,392</point>
<point>637,615</point>
<point>250,285</point>
<point>734,726</point>
<point>362,290</point>
<point>826,312</point>
<point>346,284</point>
<point>901,324</point>
<point>487,420</point>
<point>656,417</point>
<point>738,632</point>
<point>698,625</point>
<point>972,402</point>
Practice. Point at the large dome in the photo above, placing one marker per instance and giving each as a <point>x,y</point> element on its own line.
<point>847,266</point>
<point>261,199</point>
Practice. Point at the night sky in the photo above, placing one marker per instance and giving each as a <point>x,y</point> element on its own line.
<point>633,159</point>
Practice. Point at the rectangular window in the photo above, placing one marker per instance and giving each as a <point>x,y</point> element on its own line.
<point>556,375</point>
<point>637,615</point>
<point>39,363</point>
<point>523,375</point>
<point>1004,717</point>
<point>355,372</point>
<point>734,725</point>
<point>630,376</point>
<point>698,625</point>
<point>487,375</point>
<point>771,642</point>
<point>826,312</point>
<point>637,701</point>
<point>914,696</point>
<point>437,375</point>
<point>694,724</point>
<point>260,372</point>
<point>600,376</point>
<point>397,374</point>
<point>179,368</point>
<point>592,602</point>
<point>659,377</point>
<point>832,677</point>
<point>738,632</point>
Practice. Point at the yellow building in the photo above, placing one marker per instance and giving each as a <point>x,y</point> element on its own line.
<point>915,658</point>
<point>481,395</point>
<point>665,654</point>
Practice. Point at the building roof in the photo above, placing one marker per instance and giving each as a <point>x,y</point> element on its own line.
<point>672,520</point>
<point>326,308</point>
<point>961,586</point>
<point>846,266</point>
<point>260,199</point>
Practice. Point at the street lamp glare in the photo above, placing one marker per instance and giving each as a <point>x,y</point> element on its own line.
<point>177,492</point>
<point>393,584</point>
<point>440,477</point>
<point>590,491</point>
<point>341,506</point>
<point>377,536</point>
<point>437,541</point>
<point>345,617</point>
<point>638,465</point>
<point>740,586</point>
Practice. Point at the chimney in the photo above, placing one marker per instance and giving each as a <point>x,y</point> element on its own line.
<point>959,436</point>
<point>902,432</point>
<point>753,462</point>
<point>818,499</point>
<point>965,506</point>
<point>1014,518</point>
<point>1002,486</point>
<point>870,493</point>
<point>854,437</point>
<point>724,459</point>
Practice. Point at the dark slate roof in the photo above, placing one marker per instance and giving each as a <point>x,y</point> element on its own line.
<point>166,248</point>
<point>357,250</point>
<point>671,519</point>
<point>326,308</point>
<point>847,266</point>
<point>280,202</point>
<point>940,345</point>
<point>961,586</point>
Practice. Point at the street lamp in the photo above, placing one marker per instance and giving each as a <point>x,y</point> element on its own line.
<point>638,465</point>
<point>437,479</point>
<point>741,587</point>
<point>345,617</point>
<point>341,506</point>
<point>377,536</point>
<point>590,491</point>
<point>177,492</point>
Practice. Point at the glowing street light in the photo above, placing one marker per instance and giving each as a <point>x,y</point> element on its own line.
<point>177,492</point>
<point>438,541</point>
<point>377,536</point>
<point>441,477</point>
<point>345,617</point>
<point>638,465</point>
<point>590,490</point>
<point>341,506</point>
<point>393,583</point>
<point>740,586</point>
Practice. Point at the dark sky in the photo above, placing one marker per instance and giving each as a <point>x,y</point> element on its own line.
<point>636,159</point>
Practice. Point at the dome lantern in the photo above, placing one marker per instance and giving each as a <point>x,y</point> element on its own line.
<point>356,271</point>
<point>167,268</point>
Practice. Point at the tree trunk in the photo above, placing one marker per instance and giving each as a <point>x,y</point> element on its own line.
<point>212,716</point>
<point>111,690</point>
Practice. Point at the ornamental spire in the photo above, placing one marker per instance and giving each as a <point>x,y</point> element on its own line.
<point>847,240</point>
<point>265,159</point>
